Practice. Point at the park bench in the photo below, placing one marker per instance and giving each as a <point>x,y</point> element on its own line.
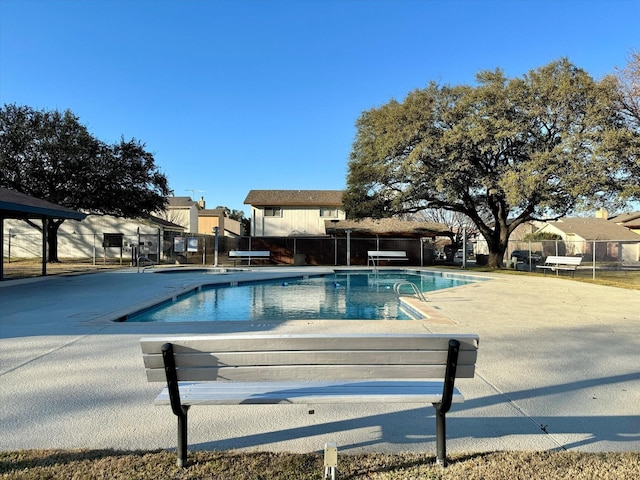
<point>248,254</point>
<point>556,263</point>
<point>378,255</point>
<point>309,369</point>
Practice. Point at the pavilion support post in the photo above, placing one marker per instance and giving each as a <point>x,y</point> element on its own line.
<point>44,247</point>
<point>2,248</point>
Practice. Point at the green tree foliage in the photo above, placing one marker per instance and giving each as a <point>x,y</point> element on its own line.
<point>541,236</point>
<point>501,152</point>
<point>52,156</point>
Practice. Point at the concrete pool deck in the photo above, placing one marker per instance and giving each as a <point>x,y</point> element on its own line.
<point>558,368</point>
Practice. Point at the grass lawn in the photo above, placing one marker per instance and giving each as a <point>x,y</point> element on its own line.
<point>108,464</point>
<point>629,279</point>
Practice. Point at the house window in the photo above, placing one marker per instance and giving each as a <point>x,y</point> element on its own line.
<point>273,212</point>
<point>329,212</point>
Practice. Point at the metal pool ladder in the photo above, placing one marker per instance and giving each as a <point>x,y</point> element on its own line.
<point>398,285</point>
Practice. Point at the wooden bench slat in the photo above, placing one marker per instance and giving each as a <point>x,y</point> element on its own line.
<point>438,357</point>
<point>308,393</point>
<point>386,253</point>
<point>311,342</point>
<point>249,253</point>
<point>306,372</point>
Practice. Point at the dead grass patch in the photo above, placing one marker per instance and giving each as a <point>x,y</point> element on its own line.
<point>142,465</point>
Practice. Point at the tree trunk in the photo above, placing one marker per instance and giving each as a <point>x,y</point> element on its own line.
<point>52,240</point>
<point>495,259</point>
<point>497,247</point>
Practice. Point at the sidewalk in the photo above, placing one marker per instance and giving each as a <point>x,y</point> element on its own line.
<point>557,368</point>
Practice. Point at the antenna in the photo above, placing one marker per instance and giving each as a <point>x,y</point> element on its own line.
<point>194,191</point>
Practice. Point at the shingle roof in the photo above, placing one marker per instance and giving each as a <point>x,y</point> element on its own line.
<point>595,229</point>
<point>628,219</point>
<point>387,227</point>
<point>19,205</point>
<point>282,198</point>
<point>212,212</point>
<point>180,202</point>
<point>164,223</point>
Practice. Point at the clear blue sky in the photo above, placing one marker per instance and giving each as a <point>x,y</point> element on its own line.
<point>238,95</point>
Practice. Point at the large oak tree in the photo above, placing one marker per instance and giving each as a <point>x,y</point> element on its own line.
<point>501,152</point>
<point>52,156</point>
<point>628,101</point>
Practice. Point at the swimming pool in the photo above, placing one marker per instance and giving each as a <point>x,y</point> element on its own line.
<point>340,296</point>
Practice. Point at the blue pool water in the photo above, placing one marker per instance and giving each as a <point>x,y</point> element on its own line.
<point>341,296</point>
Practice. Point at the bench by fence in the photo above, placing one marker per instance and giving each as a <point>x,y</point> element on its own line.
<point>248,254</point>
<point>309,369</point>
<point>556,263</point>
<point>378,255</point>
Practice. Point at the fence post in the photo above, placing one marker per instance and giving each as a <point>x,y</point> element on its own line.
<point>464,247</point>
<point>44,247</point>
<point>215,246</point>
<point>593,256</point>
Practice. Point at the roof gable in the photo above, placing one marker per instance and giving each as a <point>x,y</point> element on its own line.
<point>164,223</point>
<point>180,202</point>
<point>300,198</point>
<point>627,219</point>
<point>594,229</point>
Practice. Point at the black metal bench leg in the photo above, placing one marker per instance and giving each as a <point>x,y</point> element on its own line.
<point>443,407</point>
<point>182,438</point>
<point>178,409</point>
<point>441,437</point>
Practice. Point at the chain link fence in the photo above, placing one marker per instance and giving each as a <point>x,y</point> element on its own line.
<point>198,249</point>
<point>596,255</point>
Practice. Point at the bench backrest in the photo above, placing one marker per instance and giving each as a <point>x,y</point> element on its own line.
<point>386,253</point>
<point>249,253</point>
<point>559,260</point>
<point>309,357</point>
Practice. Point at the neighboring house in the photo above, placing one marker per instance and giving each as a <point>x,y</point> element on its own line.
<point>209,219</point>
<point>86,239</point>
<point>281,213</point>
<point>195,218</point>
<point>183,211</point>
<point>516,239</point>
<point>630,221</point>
<point>612,242</point>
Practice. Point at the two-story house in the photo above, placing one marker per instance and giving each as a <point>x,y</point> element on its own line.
<point>293,212</point>
<point>195,218</point>
<point>183,211</point>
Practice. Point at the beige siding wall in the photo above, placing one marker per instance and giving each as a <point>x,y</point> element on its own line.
<point>207,224</point>
<point>76,239</point>
<point>183,216</point>
<point>294,221</point>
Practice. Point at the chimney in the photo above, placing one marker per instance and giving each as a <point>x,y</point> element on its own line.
<point>201,203</point>
<point>602,213</point>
